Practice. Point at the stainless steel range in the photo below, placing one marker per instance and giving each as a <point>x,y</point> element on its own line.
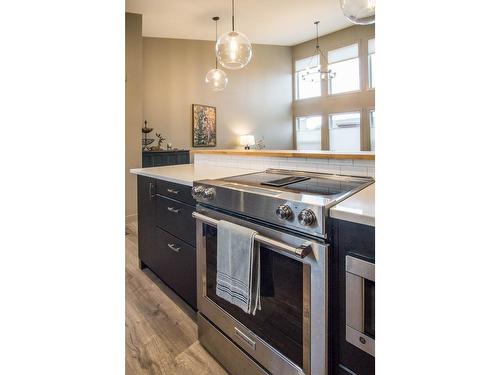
<point>288,209</point>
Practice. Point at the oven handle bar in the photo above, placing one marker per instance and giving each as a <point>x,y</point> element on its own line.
<point>301,251</point>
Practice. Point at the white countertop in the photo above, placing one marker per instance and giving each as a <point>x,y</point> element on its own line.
<point>360,208</point>
<point>185,174</point>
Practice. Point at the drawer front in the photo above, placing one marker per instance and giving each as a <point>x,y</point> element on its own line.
<point>175,191</point>
<point>176,265</point>
<point>176,218</point>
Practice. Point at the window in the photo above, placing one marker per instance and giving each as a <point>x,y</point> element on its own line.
<point>308,134</point>
<point>371,63</point>
<point>344,131</point>
<point>344,64</point>
<point>371,115</point>
<point>307,82</point>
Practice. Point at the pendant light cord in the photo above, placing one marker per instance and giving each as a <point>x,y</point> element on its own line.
<point>317,36</point>
<point>216,35</point>
<point>232,7</point>
<point>216,67</point>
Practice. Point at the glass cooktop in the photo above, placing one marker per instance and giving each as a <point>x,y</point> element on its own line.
<point>323,184</point>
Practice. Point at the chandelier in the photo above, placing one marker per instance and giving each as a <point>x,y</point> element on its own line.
<point>314,73</point>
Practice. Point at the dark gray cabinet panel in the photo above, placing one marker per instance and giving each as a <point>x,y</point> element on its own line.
<point>146,218</point>
<point>178,265</point>
<point>168,157</point>
<point>167,234</point>
<point>355,240</point>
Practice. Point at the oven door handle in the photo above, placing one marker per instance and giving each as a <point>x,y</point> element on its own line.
<point>302,251</point>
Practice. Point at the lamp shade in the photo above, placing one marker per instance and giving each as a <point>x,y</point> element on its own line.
<point>233,50</point>
<point>247,140</point>
<point>216,79</point>
<point>359,12</point>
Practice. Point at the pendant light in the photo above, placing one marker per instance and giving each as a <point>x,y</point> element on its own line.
<point>314,73</point>
<point>359,12</point>
<point>216,79</point>
<point>233,49</point>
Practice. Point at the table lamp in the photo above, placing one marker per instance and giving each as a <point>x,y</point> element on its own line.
<point>247,141</point>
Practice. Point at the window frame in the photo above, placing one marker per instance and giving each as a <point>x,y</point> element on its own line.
<point>356,109</point>
<point>361,100</point>
<point>295,132</point>
<point>296,74</point>
<point>368,121</point>
<point>368,67</point>
<point>360,89</point>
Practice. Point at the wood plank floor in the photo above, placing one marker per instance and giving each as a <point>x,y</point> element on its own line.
<point>161,331</point>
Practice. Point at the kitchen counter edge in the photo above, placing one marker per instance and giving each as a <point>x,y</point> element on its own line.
<point>360,208</point>
<point>361,155</point>
<point>186,174</point>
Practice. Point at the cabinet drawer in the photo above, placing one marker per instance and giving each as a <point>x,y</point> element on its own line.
<point>176,191</point>
<point>176,265</point>
<point>176,218</point>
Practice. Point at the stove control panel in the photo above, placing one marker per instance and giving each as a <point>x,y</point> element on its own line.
<point>284,212</point>
<point>307,217</point>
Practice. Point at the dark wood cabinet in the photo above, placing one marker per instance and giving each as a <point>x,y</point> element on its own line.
<point>167,157</point>
<point>146,198</point>
<point>358,241</point>
<point>178,265</point>
<point>167,234</point>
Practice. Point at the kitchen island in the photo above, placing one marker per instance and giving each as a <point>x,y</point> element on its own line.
<point>170,245</point>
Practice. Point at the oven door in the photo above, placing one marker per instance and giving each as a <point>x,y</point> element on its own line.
<point>288,334</point>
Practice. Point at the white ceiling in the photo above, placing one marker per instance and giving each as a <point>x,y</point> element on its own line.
<point>280,22</point>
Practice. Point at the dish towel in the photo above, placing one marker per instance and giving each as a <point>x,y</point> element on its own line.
<point>238,266</point>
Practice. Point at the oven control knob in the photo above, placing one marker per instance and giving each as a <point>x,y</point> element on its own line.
<point>197,191</point>
<point>284,212</point>
<point>209,193</point>
<point>307,217</point>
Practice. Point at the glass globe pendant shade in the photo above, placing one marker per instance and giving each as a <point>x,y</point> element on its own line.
<point>233,50</point>
<point>359,12</point>
<point>216,79</point>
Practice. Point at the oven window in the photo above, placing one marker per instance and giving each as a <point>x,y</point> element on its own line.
<point>370,308</point>
<point>280,321</point>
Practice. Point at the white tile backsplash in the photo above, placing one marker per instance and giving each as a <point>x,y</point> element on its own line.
<point>353,167</point>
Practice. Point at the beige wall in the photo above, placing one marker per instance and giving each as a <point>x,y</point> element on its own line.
<point>355,101</point>
<point>257,100</point>
<point>133,107</point>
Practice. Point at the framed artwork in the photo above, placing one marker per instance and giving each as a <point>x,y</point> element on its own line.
<point>204,126</point>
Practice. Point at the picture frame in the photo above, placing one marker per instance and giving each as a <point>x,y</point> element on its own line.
<point>204,125</point>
